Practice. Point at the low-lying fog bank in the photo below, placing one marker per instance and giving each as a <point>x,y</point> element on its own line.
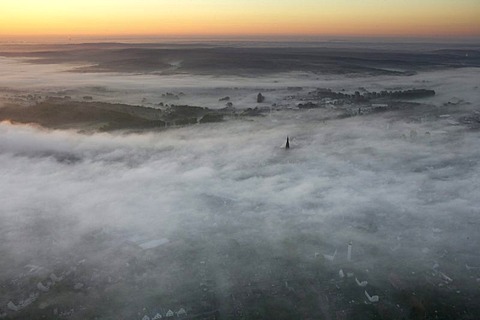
<point>372,213</point>
<point>403,192</point>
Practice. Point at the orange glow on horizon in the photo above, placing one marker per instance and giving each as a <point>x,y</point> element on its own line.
<point>214,17</point>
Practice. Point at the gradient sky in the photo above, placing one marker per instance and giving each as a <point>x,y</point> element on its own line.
<point>246,17</point>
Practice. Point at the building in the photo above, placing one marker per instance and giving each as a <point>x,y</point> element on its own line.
<point>181,312</point>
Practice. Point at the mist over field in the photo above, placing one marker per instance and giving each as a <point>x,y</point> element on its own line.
<point>215,218</point>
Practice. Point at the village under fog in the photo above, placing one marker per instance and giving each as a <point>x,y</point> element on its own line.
<point>146,181</point>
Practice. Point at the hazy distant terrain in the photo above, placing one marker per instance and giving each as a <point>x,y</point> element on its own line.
<point>250,59</point>
<point>145,179</point>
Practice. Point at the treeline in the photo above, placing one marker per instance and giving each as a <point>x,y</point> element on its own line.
<point>366,96</point>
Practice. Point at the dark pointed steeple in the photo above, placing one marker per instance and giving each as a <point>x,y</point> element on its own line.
<point>287,145</point>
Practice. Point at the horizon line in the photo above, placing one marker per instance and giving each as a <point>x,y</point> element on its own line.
<point>233,37</point>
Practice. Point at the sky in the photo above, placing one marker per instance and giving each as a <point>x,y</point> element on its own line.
<point>246,17</point>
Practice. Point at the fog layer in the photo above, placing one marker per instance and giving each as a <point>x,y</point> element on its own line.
<point>166,213</point>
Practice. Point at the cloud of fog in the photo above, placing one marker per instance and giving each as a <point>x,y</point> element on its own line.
<point>403,185</point>
<point>205,91</point>
<point>364,179</point>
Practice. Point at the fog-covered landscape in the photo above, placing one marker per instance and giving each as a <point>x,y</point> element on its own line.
<point>150,181</point>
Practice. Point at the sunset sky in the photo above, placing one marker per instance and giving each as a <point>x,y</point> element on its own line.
<point>245,17</point>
